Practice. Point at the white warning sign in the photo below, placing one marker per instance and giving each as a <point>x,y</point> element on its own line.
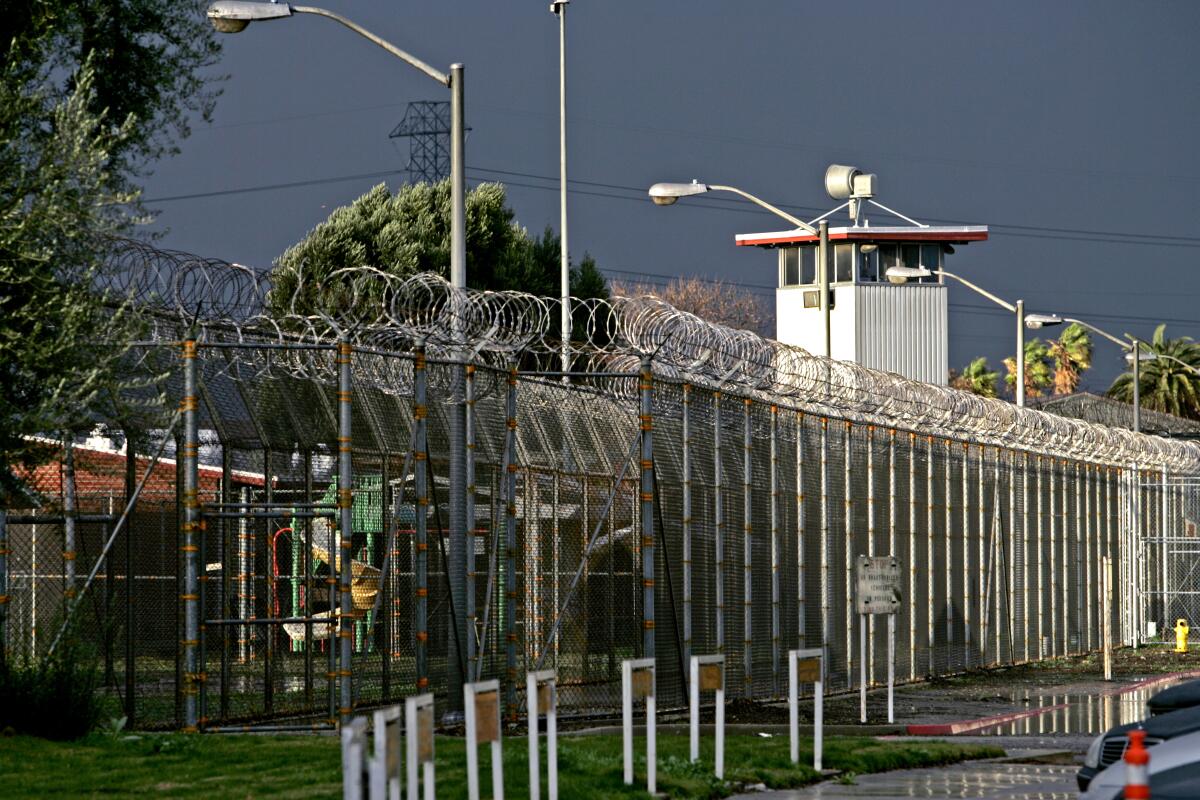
<point>878,585</point>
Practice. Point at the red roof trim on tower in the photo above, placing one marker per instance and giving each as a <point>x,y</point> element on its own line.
<point>959,234</point>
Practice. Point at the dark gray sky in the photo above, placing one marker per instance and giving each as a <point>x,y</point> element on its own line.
<point>1069,127</point>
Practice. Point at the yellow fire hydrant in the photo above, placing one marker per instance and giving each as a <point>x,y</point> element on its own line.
<point>1181,632</point>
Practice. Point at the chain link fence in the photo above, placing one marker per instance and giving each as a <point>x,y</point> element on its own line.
<point>632,508</point>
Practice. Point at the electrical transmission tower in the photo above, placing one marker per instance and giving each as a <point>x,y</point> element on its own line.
<point>426,125</point>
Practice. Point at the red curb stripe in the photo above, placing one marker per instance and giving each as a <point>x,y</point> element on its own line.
<point>966,725</point>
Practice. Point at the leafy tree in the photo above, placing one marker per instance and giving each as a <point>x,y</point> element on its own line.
<point>147,56</point>
<point>1166,384</point>
<point>1037,369</point>
<point>1072,354</point>
<point>59,205</point>
<point>409,232</point>
<point>716,301</point>
<point>976,378</point>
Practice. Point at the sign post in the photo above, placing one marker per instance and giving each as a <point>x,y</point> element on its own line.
<point>637,680</point>
<point>386,756</point>
<point>708,675</point>
<point>541,694</point>
<point>805,666</point>
<point>481,702</point>
<point>878,593</point>
<point>418,723</point>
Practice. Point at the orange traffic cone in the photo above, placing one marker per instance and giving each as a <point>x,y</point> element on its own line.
<point>1137,768</point>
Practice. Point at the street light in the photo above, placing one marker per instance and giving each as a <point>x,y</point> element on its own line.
<point>666,194</point>
<point>232,16</point>
<point>559,9</point>
<point>1132,346</point>
<point>903,274</point>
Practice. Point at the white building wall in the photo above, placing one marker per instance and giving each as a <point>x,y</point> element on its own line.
<point>902,329</point>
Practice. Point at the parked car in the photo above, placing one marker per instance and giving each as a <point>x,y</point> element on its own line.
<point>1185,695</point>
<point>1174,772</point>
<point>1108,747</point>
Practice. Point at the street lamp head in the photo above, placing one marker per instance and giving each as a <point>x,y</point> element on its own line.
<point>232,16</point>
<point>665,194</point>
<point>1035,321</point>
<point>905,274</point>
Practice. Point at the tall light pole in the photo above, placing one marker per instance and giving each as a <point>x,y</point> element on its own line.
<point>904,273</point>
<point>665,194</point>
<point>1132,346</point>
<point>559,9</point>
<point>232,16</point>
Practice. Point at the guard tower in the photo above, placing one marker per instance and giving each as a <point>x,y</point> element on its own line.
<point>892,324</point>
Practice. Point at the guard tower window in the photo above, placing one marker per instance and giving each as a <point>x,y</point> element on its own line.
<point>910,255</point>
<point>868,266</point>
<point>843,263</point>
<point>798,266</point>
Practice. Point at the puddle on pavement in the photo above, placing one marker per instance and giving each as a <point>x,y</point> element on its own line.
<point>1078,713</point>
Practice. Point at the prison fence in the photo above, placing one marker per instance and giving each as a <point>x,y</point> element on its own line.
<point>339,515</point>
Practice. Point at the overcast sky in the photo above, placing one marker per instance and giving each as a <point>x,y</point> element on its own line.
<point>1068,127</point>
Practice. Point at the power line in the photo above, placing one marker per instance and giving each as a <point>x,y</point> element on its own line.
<point>638,195</point>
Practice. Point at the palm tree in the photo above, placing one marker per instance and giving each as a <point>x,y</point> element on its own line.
<point>1166,385</point>
<point>1037,369</point>
<point>976,378</point>
<point>1072,354</point>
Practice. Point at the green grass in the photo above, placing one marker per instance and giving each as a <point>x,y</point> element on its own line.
<point>176,765</point>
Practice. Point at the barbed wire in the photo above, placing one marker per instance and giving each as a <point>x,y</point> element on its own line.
<point>384,314</point>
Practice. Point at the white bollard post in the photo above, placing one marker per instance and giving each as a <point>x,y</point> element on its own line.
<point>418,721</point>
<point>892,668</point>
<point>862,668</point>
<point>541,694</point>
<point>708,675</point>
<point>386,756</point>
<point>354,746</point>
<point>481,702</point>
<point>638,680</point>
<point>805,666</point>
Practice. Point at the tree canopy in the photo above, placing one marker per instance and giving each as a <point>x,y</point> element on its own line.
<point>59,204</point>
<point>409,232</point>
<point>147,57</point>
<point>1166,384</point>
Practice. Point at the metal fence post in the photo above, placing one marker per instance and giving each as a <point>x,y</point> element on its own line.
<point>469,515</point>
<point>968,577</point>
<point>647,486</point>
<point>190,547</point>
<point>848,539</point>
<point>718,528</point>
<point>3,586</point>
<point>421,517</point>
<point>1083,556</point>
<point>775,643</point>
<point>930,633</point>
<point>345,502</point>
<point>510,545</point>
<point>826,578</point>
<point>800,532</point>
<point>949,458</point>
<point>70,521</point>
<point>686,523</point>
<point>868,656</point>
<point>912,556</point>
<point>747,552</point>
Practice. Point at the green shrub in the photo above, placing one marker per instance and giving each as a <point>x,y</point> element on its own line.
<point>53,697</point>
